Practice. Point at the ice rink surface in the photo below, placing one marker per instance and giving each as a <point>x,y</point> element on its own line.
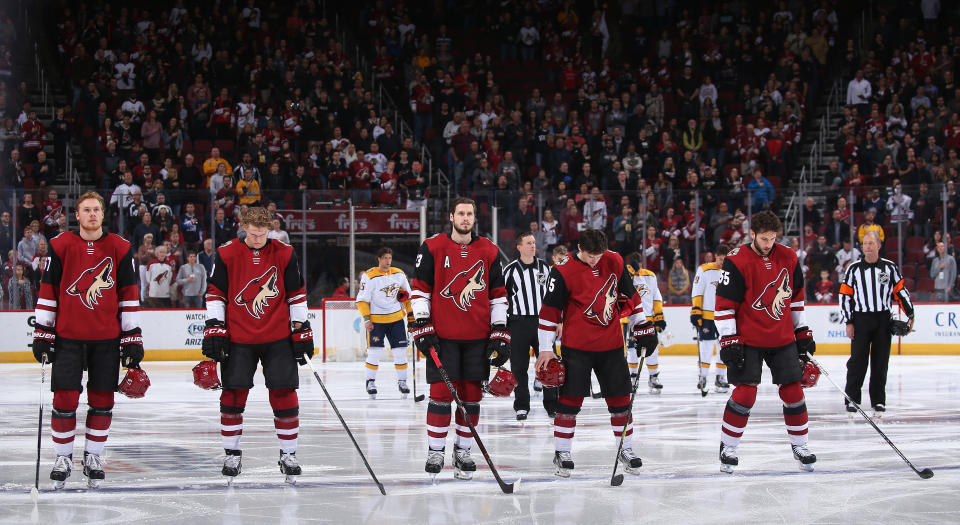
<point>163,457</point>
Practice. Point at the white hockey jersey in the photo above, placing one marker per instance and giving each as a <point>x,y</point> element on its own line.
<point>704,291</point>
<point>645,282</point>
<point>377,296</point>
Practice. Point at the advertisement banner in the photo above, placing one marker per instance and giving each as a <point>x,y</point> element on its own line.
<point>369,222</point>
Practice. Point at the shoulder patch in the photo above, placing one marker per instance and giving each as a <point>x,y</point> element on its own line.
<point>733,252</point>
<point>563,261</point>
<point>228,243</point>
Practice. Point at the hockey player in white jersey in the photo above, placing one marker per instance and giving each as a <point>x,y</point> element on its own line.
<point>703,300</point>
<point>645,281</point>
<point>383,301</point>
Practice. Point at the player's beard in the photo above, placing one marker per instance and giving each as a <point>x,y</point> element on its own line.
<point>463,232</point>
<point>756,248</point>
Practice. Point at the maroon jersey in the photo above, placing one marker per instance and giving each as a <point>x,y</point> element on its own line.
<point>589,302</point>
<point>89,290</point>
<point>460,286</point>
<point>256,292</point>
<point>760,298</point>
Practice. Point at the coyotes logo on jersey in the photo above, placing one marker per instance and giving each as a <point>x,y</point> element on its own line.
<point>775,295</point>
<point>463,287</point>
<point>601,310</point>
<point>161,277</point>
<point>90,285</point>
<point>256,294</point>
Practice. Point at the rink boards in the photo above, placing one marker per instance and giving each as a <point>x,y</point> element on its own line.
<point>175,335</point>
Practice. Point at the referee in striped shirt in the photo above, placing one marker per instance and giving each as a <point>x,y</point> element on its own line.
<point>868,288</point>
<point>526,280</point>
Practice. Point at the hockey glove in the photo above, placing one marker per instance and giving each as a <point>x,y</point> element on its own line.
<point>695,320</point>
<point>645,339</point>
<point>731,352</point>
<point>44,339</point>
<point>708,329</point>
<point>659,323</point>
<point>216,344</point>
<point>423,336</point>
<point>498,346</point>
<point>302,341</point>
<point>805,344</point>
<point>131,348</point>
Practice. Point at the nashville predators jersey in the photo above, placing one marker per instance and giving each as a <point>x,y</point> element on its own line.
<point>645,281</point>
<point>704,291</point>
<point>381,293</point>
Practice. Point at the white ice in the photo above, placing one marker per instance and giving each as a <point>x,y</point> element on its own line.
<point>163,457</point>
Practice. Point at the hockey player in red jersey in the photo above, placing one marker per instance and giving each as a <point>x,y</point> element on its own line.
<point>760,318</point>
<point>588,292</point>
<point>460,308</point>
<point>257,312</point>
<point>87,318</point>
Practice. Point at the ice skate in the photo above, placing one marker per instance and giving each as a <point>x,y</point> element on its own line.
<point>62,468</point>
<point>721,385</point>
<point>564,463</point>
<point>805,458</point>
<point>654,383</point>
<point>371,388</point>
<point>630,461</point>
<point>702,386</point>
<point>289,467</point>
<point>434,463</point>
<point>878,410</point>
<point>521,415</point>
<point>404,389</point>
<point>728,458</point>
<point>93,469</point>
<point>463,464</point>
<point>231,465</point>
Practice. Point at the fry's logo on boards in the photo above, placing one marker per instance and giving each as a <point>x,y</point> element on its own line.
<point>400,223</point>
<point>601,310</point>
<point>343,222</point>
<point>774,298</point>
<point>464,285</point>
<point>256,295</point>
<point>92,282</point>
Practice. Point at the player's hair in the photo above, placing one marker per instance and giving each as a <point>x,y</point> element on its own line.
<point>92,195</point>
<point>256,216</point>
<point>520,237</point>
<point>765,221</point>
<point>593,241</point>
<point>723,249</point>
<point>463,200</point>
<point>559,250</point>
<point>384,251</point>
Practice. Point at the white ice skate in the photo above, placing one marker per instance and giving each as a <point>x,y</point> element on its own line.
<point>654,384</point>
<point>805,458</point>
<point>404,389</point>
<point>564,463</point>
<point>289,467</point>
<point>721,385</point>
<point>463,464</point>
<point>702,386</point>
<point>630,461</point>
<point>93,469</point>
<point>728,458</point>
<point>434,463</point>
<point>371,389</point>
<point>62,468</point>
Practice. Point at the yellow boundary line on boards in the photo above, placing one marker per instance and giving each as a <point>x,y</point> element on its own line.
<point>678,349</point>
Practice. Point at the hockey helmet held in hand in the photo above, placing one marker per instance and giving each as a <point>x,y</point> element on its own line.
<point>135,383</point>
<point>552,375</point>
<point>502,384</point>
<point>811,373</point>
<point>205,375</point>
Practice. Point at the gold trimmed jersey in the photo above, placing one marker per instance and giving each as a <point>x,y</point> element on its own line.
<point>704,292</point>
<point>645,281</point>
<point>377,296</point>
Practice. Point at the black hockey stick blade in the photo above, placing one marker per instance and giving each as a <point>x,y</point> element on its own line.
<point>419,398</point>
<point>926,473</point>
<point>616,480</point>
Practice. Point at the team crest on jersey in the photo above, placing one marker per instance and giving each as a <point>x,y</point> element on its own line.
<point>256,295</point>
<point>463,287</point>
<point>642,289</point>
<point>160,278</point>
<point>92,282</point>
<point>602,309</point>
<point>390,290</point>
<point>775,295</point>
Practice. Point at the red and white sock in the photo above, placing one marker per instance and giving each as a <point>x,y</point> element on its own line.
<point>438,416</point>
<point>63,420</point>
<point>470,393</point>
<point>737,413</point>
<point>286,417</point>
<point>794,412</point>
<point>565,422</point>
<point>620,416</point>
<point>99,416</point>
<point>232,404</point>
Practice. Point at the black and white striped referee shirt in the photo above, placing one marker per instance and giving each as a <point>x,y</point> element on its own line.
<point>526,286</point>
<point>871,287</point>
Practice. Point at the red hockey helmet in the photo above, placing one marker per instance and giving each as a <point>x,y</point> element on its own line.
<point>553,374</point>
<point>502,384</point>
<point>205,375</point>
<point>811,373</point>
<point>135,383</point>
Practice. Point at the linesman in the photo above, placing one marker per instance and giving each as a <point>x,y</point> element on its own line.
<point>866,292</point>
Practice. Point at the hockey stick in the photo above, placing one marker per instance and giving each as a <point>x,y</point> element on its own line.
<point>507,488</point>
<point>35,491</point>
<point>416,398</point>
<point>617,479</point>
<point>703,391</point>
<point>925,473</point>
<point>345,427</point>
